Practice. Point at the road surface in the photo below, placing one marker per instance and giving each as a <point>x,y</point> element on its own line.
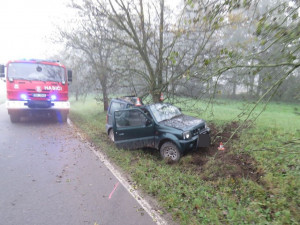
<point>49,176</point>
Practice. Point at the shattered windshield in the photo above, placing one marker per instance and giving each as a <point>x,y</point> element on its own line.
<point>35,71</point>
<point>164,111</point>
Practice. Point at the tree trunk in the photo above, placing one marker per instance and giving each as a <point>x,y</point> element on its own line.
<point>251,85</point>
<point>155,94</point>
<point>103,81</point>
<point>105,98</point>
<point>156,98</point>
<point>76,94</point>
<point>258,90</point>
<point>234,89</point>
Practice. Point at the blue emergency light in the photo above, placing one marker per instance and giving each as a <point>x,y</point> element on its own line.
<point>53,97</point>
<point>23,96</point>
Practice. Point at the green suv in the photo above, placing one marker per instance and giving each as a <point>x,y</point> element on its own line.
<point>160,126</point>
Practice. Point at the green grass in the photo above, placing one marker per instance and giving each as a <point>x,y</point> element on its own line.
<point>276,115</point>
<point>273,141</point>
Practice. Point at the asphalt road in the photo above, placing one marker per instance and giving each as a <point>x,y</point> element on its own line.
<point>49,176</point>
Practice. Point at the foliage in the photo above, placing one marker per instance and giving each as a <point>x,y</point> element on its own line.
<point>203,49</point>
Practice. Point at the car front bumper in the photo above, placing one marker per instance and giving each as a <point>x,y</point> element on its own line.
<point>25,105</point>
<point>200,140</point>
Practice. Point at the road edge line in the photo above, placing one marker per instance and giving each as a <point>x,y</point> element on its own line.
<point>134,193</point>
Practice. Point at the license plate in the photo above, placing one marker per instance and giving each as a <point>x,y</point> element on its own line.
<point>39,95</point>
<point>203,140</point>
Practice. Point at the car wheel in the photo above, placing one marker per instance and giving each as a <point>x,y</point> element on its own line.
<point>170,151</point>
<point>111,135</point>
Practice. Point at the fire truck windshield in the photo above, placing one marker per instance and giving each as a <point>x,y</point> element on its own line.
<point>35,71</point>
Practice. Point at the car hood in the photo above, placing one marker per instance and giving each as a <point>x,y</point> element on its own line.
<point>182,122</point>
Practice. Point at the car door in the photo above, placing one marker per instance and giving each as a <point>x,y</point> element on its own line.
<point>114,106</point>
<point>133,129</point>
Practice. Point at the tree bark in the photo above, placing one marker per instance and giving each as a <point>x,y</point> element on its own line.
<point>234,89</point>
<point>103,81</point>
<point>76,94</point>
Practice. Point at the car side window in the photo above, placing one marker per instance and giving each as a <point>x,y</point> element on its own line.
<point>130,106</point>
<point>116,106</point>
<point>130,118</point>
<point>147,113</point>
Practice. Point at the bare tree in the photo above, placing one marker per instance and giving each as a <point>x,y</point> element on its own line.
<point>90,37</point>
<point>166,49</point>
<point>206,45</point>
<point>268,50</point>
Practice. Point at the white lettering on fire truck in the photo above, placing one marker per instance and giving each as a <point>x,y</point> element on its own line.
<point>53,88</point>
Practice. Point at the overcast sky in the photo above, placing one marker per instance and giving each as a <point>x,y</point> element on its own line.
<point>26,25</point>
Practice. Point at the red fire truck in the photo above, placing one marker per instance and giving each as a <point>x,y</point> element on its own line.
<point>37,87</point>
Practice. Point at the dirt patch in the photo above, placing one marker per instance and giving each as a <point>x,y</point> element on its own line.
<point>212,164</point>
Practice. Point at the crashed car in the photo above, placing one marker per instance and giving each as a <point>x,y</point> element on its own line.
<point>116,104</point>
<point>160,126</point>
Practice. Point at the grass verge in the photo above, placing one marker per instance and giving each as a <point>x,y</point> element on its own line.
<point>201,188</point>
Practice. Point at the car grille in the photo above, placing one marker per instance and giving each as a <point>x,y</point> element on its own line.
<point>198,130</point>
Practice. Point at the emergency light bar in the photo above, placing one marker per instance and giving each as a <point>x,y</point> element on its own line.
<point>39,60</point>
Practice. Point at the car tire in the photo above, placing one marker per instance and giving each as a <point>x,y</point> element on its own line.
<point>111,135</point>
<point>170,151</point>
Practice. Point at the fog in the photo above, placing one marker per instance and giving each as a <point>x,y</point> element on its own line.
<point>27,28</point>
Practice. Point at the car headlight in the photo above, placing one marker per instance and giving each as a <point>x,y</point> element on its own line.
<point>186,135</point>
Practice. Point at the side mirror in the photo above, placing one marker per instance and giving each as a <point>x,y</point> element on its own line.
<point>2,71</point>
<point>69,75</point>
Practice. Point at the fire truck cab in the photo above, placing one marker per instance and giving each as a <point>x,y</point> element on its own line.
<point>37,87</point>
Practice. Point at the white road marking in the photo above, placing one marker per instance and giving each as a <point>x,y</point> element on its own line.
<point>145,205</point>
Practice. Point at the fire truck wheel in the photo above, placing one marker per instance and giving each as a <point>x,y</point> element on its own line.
<point>62,117</point>
<point>14,118</point>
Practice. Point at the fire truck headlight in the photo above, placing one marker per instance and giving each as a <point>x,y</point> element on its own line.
<point>23,96</point>
<point>53,97</point>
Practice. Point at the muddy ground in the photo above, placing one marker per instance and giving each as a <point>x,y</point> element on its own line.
<point>212,164</point>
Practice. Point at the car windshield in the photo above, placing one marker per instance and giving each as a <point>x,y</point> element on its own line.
<point>164,111</point>
<point>35,71</point>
